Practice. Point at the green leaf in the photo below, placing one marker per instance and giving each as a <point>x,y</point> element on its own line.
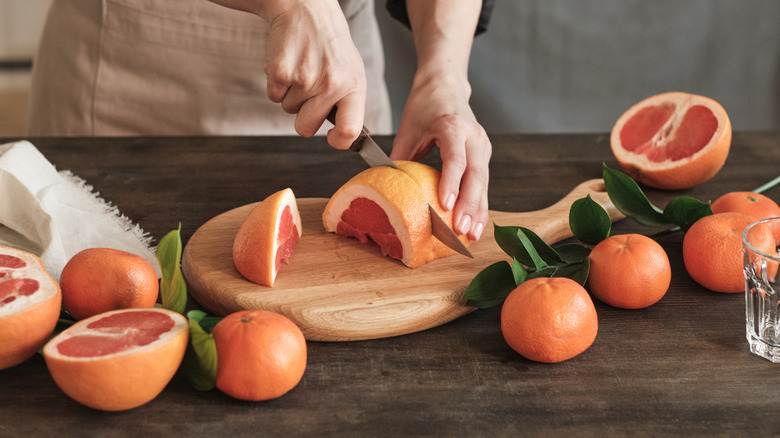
<point>588,220</point>
<point>576,271</point>
<point>572,252</point>
<point>518,272</point>
<point>530,249</point>
<point>630,200</point>
<point>683,211</point>
<point>173,289</point>
<point>508,239</point>
<point>491,286</point>
<point>200,359</point>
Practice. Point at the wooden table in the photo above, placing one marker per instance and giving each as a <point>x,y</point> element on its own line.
<point>681,366</point>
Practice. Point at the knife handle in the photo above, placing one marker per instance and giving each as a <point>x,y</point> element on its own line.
<point>356,145</point>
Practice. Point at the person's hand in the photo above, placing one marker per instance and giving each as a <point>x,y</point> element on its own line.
<point>437,112</point>
<point>312,65</point>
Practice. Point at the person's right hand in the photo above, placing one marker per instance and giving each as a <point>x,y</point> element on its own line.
<point>312,65</point>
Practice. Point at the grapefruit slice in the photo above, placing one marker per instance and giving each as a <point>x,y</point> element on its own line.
<point>30,301</point>
<point>267,238</point>
<point>672,140</point>
<point>118,360</point>
<point>390,208</point>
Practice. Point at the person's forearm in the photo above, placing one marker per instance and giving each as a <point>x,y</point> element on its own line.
<point>443,34</point>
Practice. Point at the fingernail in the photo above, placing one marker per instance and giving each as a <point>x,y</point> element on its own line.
<point>464,224</point>
<point>478,230</point>
<point>449,202</point>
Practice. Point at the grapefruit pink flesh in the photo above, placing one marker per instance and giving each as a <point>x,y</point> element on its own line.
<point>287,238</point>
<point>116,333</point>
<point>365,220</point>
<point>696,129</point>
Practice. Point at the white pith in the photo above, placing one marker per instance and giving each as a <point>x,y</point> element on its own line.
<point>682,102</point>
<point>80,328</point>
<point>342,200</point>
<point>47,286</point>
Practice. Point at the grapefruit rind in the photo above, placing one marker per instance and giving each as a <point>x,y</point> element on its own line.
<point>28,320</point>
<point>678,173</point>
<point>123,380</point>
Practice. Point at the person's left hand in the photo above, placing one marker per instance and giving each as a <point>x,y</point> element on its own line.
<point>437,112</point>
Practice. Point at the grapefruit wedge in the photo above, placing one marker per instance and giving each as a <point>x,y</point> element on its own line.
<point>267,238</point>
<point>390,207</point>
<point>672,140</point>
<point>118,360</point>
<point>30,302</point>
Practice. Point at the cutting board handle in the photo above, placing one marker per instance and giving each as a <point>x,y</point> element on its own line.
<point>552,223</point>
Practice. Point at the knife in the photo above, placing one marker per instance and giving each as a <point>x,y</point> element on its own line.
<point>375,156</point>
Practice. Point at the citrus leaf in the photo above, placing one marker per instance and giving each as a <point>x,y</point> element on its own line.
<point>530,249</point>
<point>630,200</point>
<point>173,289</point>
<point>577,271</point>
<point>508,239</point>
<point>491,286</point>
<point>518,272</point>
<point>683,211</point>
<point>588,220</point>
<point>572,252</point>
<point>200,359</point>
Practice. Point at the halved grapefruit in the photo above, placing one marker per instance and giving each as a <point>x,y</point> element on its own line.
<point>30,302</point>
<point>390,207</point>
<point>267,237</point>
<point>672,140</point>
<point>118,360</point>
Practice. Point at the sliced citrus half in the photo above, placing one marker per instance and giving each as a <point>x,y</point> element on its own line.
<point>120,359</point>
<point>30,302</point>
<point>672,140</point>
<point>267,238</point>
<point>390,207</point>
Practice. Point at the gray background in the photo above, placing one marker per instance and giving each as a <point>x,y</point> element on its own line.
<point>576,65</point>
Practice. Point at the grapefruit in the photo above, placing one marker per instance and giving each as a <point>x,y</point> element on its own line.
<point>267,238</point>
<point>672,140</point>
<point>261,355</point>
<point>120,359</point>
<point>97,280</point>
<point>712,250</point>
<point>753,204</point>
<point>390,208</point>
<point>30,301</point>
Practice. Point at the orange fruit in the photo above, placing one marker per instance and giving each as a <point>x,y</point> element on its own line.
<point>629,271</point>
<point>118,360</point>
<point>29,306</point>
<point>390,207</point>
<point>267,237</point>
<point>97,280</point>
<point>261,355</point>
<point>712,250</point>
<point>672,140</point>
<point>752,204</point>
<point>549,319</point>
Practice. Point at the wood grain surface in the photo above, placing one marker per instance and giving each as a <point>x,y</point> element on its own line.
<point>337,289</point>
<point>681,367</point>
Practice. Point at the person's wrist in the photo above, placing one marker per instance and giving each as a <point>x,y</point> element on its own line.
<point>434,77</point>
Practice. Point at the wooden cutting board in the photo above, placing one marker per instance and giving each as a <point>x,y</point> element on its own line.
<point>337,289</point>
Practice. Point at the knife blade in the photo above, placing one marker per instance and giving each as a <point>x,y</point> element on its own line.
<point>375,156</point>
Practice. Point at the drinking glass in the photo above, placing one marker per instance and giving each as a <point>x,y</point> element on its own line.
<point>762,293</point>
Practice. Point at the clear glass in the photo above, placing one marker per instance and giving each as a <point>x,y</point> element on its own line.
<point>762,295</point>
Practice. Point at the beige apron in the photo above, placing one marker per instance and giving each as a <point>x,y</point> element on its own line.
<point>172,67</point>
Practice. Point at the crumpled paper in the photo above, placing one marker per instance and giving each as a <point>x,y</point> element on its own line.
<point>55,214</point>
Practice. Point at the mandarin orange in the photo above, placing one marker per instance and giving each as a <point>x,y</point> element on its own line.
<point>753,204</point>
<point>261,355</point>
<point>549,319</point>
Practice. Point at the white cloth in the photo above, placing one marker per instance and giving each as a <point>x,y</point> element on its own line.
<point>55,214</point>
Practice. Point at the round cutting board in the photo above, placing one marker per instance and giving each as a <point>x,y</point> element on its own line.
<point>336,289</point>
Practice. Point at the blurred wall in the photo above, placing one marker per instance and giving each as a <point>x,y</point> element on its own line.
<point>576,65</point>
